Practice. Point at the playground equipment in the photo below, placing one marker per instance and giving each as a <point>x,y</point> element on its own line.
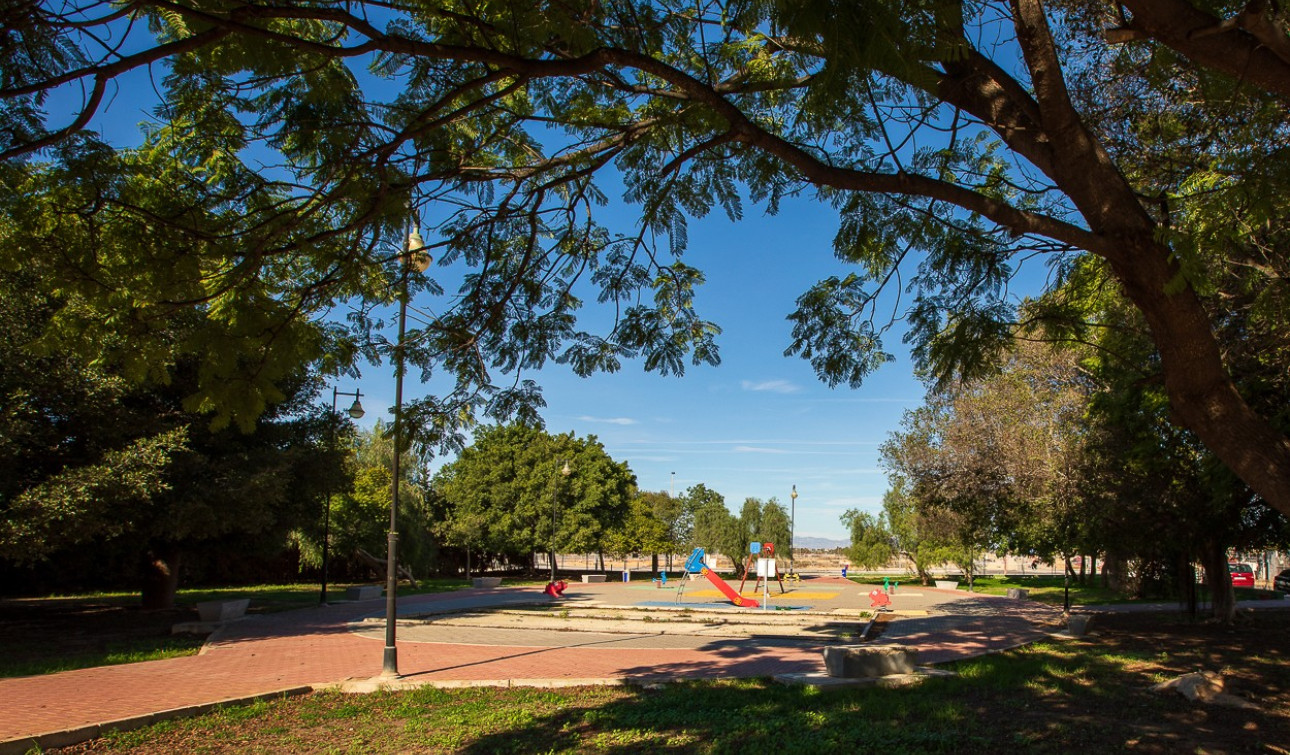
<point>694,565</point>
<point>750,566</point>
<point>879,598</point>
<point>556,589</point>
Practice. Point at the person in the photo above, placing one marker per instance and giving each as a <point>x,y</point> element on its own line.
<point>844,571</point>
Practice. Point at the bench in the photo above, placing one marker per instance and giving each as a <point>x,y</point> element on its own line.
<point>1017,593</point>
<point>867,661</point>
<point>485,581</point>
<point>363,592</point>
<point>216,611</point>
<point>947,584</point>
<point>587,578</point>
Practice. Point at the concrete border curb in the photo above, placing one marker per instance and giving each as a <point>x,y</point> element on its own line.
<point>68,737</point>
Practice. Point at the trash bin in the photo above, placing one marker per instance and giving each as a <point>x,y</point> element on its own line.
<point>627,576</point>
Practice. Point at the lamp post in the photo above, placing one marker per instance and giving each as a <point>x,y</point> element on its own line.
<point>792,526</point>
<point>355,411</point>
<point>414,257</point>
<point>555,506</point>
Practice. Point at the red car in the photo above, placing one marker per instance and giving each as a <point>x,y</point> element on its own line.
<point>1242,575</point>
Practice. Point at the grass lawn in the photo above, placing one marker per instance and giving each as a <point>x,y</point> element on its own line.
<point>46,635</point>
<point>1049,589</point>
<point>1087,695</point>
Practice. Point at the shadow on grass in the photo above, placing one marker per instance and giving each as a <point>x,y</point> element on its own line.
<point>1083,696</point>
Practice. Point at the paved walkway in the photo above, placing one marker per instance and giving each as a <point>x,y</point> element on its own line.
<point>334,644</point>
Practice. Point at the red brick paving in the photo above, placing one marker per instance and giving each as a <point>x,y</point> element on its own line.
<point>270,653</point>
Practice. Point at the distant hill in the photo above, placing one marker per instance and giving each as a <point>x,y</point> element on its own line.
<point>823,543</point>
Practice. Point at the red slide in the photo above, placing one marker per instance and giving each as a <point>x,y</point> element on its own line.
<point>727,590</point>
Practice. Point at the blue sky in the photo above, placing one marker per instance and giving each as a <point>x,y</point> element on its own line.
<point>754,426</point>
<point>758,423</point>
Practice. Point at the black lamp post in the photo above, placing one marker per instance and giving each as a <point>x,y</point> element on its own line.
<point>792,528</point>
<point>355,411</point>
<point>555,507</point>
<point>414,257</point>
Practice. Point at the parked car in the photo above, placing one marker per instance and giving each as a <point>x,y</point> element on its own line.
<point>1281,582</point>
<point>1242,575</point>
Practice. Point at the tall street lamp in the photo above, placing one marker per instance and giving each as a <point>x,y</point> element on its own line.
<point>555,506</point>
<point>355,411</point>
<point>414,257</point>
<point>792,525</point>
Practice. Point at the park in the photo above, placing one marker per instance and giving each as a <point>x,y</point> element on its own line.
<point>823,376</point>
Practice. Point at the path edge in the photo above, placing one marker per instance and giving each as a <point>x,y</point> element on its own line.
<point>68,737</point>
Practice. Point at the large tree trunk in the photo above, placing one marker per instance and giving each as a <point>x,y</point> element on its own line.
<point>1220,581</point>
<point>1202,395</point>
<point>160,576</point>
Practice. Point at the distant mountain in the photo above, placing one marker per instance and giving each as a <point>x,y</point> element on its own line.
<point>821,543</point>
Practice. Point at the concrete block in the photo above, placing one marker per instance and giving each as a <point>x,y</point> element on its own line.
<point>363,592</point>
<point>860,661</point>
<point>486,581</point>
<point>223,610</point>
<point>1017,593</point>
<point>1077,624</point>
<point>586,578</point>
<point>947,584</point>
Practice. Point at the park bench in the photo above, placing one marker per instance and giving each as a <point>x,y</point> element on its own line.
<point>587,578</point>
<point>218,611</point>
<point>363,592</point>
<point>486,581</point>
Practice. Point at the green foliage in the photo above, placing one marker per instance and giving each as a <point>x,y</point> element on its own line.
<point>97,463</point>
<point>507,490</point>
<point>641,531</point>
<point>871,541</point>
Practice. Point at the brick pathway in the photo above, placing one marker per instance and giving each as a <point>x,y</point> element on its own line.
<point>263,654</point>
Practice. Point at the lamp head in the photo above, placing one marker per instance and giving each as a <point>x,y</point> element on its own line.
<point>417,257</point>
<point>794,492</point>
<point>356,409</point>
<point>566,471</point>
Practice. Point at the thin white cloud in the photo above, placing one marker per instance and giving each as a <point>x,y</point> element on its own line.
<point>609,420</point>
<point>756,450</point>
<point>772,386</point>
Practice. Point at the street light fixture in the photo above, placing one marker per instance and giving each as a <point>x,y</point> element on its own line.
<point>792,526</point>
<point>355,411</point>
<point>555,505</point>
<point>416,258</point>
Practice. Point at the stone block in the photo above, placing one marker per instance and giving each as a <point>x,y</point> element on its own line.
<point>947,584</point>
<point>1077,624</point>
<point>862,661</point>
<point>1017,593</point>
<point>222,610</point>
<point>593,578</point>
<point>486,581</point>
<point>363,592</point>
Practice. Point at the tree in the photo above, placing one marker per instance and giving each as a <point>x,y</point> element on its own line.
<point>870,539</point>
<point>360,512</point>
<point>715,528</point>
<point>94,461</point>
<point>953,138</point>
<point>912,529</point>
<point>509,487</point>
<point>640,532</point>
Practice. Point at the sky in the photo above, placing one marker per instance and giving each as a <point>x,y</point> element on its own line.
<point>757,424</point>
